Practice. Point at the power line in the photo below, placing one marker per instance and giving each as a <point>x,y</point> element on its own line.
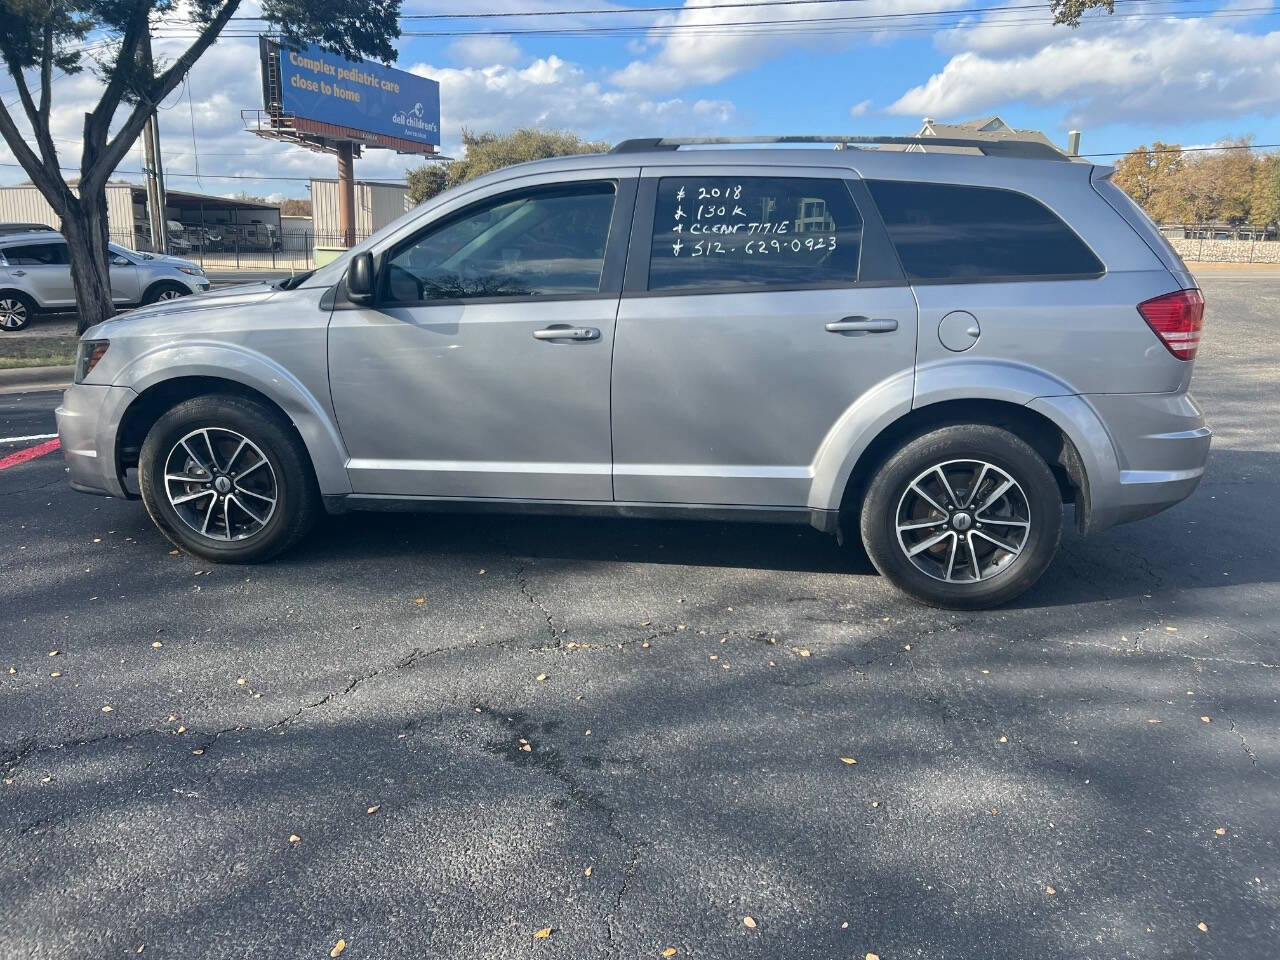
<point>864,23</point>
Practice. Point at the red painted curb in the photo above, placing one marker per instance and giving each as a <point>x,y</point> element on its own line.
<point>30,453</point>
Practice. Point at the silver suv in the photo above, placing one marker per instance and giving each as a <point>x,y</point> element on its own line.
<point>35,275</point>
<point>933,351</point>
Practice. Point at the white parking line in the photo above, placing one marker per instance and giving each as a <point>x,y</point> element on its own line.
<point>34,436</point>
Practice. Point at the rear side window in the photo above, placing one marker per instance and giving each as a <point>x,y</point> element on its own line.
<point>37,254</point>
<point>953,233</point>
<point>753,233</point>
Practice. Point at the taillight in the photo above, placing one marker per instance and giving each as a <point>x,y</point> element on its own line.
<point>1176,319</point>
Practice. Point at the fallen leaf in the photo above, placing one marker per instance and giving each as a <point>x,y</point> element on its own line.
<point>294,838</point>
<point>157,644</point>
<point>542,934</point>
<point>55,673</point>
<point>586,872</point>
<point>1050,891</point>
<point>375,808</point>
<point>669,952</point>
<point>240,681</point>
<point>805,653</point>
<point>198,751</point>
<point>845,925</point>
<point>420,600</point>
<point>873,956</point>
<point>875,804</point>
<point>1172,629</point>
<point>749,923</point>
<point>181,729</point>
<point>338,948</point>
<point>1004,739</point>
<point>53,653</point>
<point>849,760</point>
<point>1202,927</point>
<point>173,553</point>
<point>541,677</point>
<point>1221,831</point>
<point>906,646</point>
<point>1204,720</point>
<point>107,708</point>
<point>1153,721</point>
<point>527,748</point>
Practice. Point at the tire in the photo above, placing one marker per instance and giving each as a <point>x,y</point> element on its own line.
<point>908,492</point>
<point>16,310</point>
<point>254,500</point>
<point>165,291</point>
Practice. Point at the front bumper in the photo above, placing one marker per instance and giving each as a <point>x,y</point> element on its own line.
<point>88,419</point>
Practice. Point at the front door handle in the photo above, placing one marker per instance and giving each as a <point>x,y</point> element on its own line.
<point>19,273</point>
<point>562,331</point>
<point>862,325</point>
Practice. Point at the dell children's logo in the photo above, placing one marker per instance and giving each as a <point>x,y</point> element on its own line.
<point>414,119</point>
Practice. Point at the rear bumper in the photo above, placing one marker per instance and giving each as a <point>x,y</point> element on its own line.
<point>1142,453</point>
<point>87,422</point>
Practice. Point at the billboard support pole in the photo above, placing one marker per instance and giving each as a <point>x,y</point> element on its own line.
<point>346,193</point>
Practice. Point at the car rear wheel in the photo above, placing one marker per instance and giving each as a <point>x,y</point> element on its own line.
<point>15,311</point>
<point>964,517</point>
<point>165,291</point>
<point>226,478</point>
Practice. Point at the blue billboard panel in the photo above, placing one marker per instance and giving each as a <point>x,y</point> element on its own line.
<point>323,86</point>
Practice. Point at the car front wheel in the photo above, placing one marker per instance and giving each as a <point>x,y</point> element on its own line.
<point>227,478</point>
<point>165,291</point>
<point>15,311</point>
<point>965,517</point>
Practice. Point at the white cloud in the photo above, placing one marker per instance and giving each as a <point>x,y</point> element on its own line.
<point>689,56</point>
<point>1173,71</point>
<point>859,109</point>
<point>484,51</point>
<point>553,92</point>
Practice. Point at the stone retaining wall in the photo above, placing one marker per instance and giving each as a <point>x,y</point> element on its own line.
<point>1228,251</point>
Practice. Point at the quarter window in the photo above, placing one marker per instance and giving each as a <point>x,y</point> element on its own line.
<point>749,233</point>
<point>944,232</point>
<point>537,243</point>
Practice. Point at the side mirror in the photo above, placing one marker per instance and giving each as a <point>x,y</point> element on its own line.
<point>360,279</point>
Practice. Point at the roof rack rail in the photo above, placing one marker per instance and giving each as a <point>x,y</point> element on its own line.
<point>1022,149</point>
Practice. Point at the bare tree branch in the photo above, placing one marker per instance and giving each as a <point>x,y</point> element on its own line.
<point>165,84</point>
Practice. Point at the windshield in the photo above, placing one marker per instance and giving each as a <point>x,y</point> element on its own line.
<point>126,252</point>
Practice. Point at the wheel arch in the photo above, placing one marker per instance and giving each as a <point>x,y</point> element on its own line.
<point>1041,433</point>
<point>311,426</point>
<point>163,283</point>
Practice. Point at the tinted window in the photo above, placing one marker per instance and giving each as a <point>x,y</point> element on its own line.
<point>945,232</point>
<point>535,243</point>
<point>37,254</point>
<point>753,232</point>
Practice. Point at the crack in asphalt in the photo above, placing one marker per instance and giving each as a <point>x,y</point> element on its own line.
<point>526,750</point>
<point>523,580</point>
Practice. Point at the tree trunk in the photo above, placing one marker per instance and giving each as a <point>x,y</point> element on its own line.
<point>84,226</point>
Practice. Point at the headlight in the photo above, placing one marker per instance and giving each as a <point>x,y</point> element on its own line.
<point>194,271</point>
<point>90,352</point>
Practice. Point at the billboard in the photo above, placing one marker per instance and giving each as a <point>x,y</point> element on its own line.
<point>328,88</point>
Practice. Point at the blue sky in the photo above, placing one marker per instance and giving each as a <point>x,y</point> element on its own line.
<point>1186,71</point>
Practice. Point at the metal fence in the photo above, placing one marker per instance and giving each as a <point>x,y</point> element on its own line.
<point>239,247</point>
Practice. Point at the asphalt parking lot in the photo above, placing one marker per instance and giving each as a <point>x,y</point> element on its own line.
<point>440,737</point>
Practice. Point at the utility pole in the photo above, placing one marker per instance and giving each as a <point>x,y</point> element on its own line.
<point>153,169</point>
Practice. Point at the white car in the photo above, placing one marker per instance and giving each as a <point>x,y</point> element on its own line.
<point>35,276</point>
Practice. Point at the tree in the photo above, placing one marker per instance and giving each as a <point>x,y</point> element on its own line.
<point>1264,196</point>
<point>1071,11</point>
<point>39,37</point>
<point>295,207</point>
<point>486,152</point>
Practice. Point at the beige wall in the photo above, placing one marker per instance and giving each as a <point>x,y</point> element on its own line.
<point>26,205</point>
<point>377,204</point>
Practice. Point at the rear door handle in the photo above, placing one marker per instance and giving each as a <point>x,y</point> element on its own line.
<point>562,331</point>
<point>862,325</point>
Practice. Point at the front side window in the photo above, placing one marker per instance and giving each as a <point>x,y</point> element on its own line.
<point>753,233</point>
<point>542,242</point>
<point>944,232</point>
<point>37,255</point>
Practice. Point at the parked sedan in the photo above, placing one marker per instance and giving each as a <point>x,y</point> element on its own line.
<point>35,275</point>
